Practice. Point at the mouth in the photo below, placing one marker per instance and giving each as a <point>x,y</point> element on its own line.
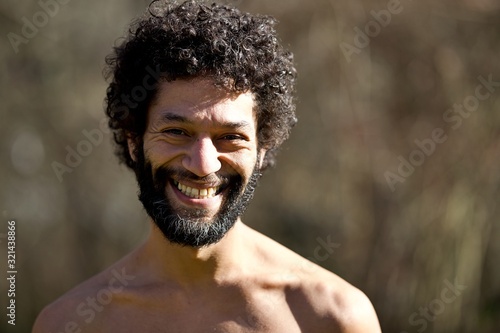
<point>198,193</point>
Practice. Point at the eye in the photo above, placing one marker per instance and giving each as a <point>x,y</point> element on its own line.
<point>232,137</point>
<point>174,131</point>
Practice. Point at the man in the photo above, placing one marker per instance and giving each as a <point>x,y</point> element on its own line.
<point>200,99</point>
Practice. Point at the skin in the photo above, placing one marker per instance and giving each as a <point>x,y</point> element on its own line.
<point>244,283</point>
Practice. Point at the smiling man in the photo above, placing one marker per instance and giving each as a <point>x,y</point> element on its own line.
<point>198,140</point>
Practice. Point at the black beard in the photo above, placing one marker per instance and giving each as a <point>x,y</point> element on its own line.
<point>186,226</point>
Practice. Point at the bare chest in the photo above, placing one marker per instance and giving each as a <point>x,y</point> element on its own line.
<point>202,321</point>
<point>263,314</point>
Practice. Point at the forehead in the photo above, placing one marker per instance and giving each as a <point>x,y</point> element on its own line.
<point>199,100</point>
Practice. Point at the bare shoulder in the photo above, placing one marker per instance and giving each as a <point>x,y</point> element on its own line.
<point>336,302</point>
<point>80,309</point>
<point>320,300</point>
<point>60,315</point>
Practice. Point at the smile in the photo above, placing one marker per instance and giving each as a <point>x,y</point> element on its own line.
<point>197,193</point>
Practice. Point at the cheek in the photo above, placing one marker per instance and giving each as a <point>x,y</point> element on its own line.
<point>243,164</point>
<point>160,153</point>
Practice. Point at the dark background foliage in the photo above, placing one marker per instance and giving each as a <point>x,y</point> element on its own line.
<point>359,115</point>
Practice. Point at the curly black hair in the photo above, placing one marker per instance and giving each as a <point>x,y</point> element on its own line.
<point>238,51</point>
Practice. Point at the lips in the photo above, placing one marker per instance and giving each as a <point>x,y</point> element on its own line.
<point>197,193</point>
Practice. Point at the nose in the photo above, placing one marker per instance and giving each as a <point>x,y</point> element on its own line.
<point>202,159</point>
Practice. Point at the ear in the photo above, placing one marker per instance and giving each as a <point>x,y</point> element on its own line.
<point>261,156</point>
<point>132,149</point>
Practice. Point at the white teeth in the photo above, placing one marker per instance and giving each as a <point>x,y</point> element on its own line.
<point>203,193</point>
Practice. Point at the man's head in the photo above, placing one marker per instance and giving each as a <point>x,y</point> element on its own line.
<point>200,100</point>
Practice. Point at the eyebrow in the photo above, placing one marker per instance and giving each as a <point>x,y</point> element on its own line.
<point>172,117</point>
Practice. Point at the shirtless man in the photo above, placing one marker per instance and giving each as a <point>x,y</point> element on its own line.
<point>215,103</point>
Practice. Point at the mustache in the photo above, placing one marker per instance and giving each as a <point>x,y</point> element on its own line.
<point>162,174</point>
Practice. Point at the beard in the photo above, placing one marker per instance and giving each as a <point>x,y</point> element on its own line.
<point>190,226</point>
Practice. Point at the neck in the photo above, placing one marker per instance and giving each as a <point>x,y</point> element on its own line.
<point>188,265</point>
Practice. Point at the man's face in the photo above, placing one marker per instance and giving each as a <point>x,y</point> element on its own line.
<point>199,164</point>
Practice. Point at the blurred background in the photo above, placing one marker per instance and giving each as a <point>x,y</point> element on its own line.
<point>395,158</point>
